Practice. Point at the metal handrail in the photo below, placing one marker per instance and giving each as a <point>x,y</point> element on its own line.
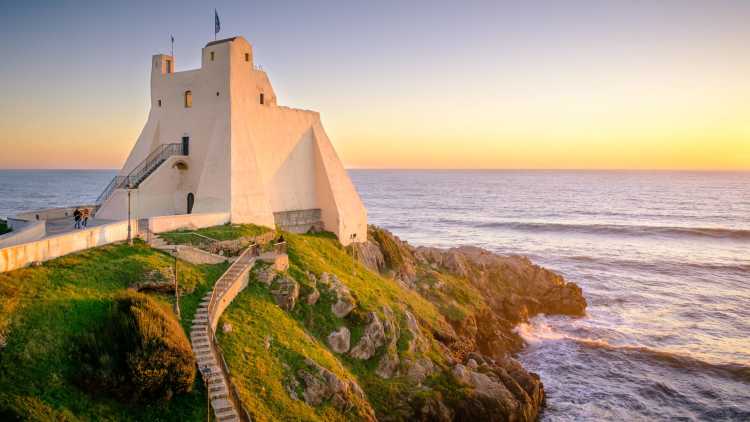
<point>142,170</point>
<point>212,303</point>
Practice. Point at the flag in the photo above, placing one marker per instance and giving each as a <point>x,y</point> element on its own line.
<point>172,37</point>
<point>217,24</point>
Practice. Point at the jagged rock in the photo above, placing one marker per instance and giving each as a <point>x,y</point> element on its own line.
<point>345,302</point>
<point>433,410</point>
<point>369,254</point>
<point>227,327</point>
<point>497,395</point>
<point>417,370</point>
<point>417,342</point>
<point>291,385</point>
<point>371,340</point>
<point>313,296</point>
<point>390,361</point>
<point>266,275</point>
<point>267,342</point>
<point>339,340</point>
<point>325,279</point>
<point>388,364</point>
<point>285,291</point>
<point>320,385</point>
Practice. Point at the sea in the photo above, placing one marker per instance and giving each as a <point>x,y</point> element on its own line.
<point>663,259</point>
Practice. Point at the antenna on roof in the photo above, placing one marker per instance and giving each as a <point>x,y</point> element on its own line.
<point>171,50</point>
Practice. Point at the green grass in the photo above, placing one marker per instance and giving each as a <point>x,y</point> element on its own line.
<point>224,232</point>
<point>254,316</point>
<point>4,227</point>
<point>259,373</point>
<point>44,309</point>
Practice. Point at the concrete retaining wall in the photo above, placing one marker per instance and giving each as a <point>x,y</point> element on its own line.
<point>19,256</point>
<point>23,232</point>
<point>186,221</point>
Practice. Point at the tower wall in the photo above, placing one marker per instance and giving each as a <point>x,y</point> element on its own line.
<point>248,156</point>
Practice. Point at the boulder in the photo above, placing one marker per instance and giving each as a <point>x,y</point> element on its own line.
<point>321,385</point>
<point>285,291</point>
<point>266,275</point>
<point>339,340</point>
<point>498,395</point>
<point>369,254</point>
<point>389,363</point>
<point>313,296</point>
<point>371,340</point>
<point>345,302</point>
<point>417,370</point>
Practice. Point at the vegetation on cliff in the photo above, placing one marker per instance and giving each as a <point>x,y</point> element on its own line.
<point>43,312</point>
<point>379,330</point>
<point>138,353</point>
<point>4,227</point>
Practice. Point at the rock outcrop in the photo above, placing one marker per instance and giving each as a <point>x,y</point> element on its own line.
<point>345,302</point>
<point>480,342</point>
<point>339,340</point>
<point>320,385</point>
<point>371,340</point>
<point>286,292</point>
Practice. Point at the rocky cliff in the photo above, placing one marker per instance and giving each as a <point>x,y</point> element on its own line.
<point>406,333</point>
<point>483,296</point>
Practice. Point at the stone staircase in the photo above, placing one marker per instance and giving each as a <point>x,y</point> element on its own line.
<point>201,336</point>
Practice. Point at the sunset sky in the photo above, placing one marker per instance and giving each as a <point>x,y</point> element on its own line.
<point>400,84</point>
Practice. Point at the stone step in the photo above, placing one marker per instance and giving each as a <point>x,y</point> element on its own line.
<point>217,387</point>
<point>228,417</point>
<point>203,310</point>
<point>211,368</point>
<point>218,395</point>
<point>221,406</point>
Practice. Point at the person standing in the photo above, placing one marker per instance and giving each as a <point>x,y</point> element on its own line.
<point>85,217</point>
<point>77,218</point>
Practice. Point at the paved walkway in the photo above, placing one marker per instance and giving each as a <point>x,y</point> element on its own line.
<point>64,225</point>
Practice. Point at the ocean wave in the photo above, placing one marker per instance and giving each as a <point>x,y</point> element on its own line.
<point>540,332</point>
<point>662,265</point>
<point>623,229</point>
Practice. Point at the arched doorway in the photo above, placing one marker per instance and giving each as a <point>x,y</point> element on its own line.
<point>190,202</point>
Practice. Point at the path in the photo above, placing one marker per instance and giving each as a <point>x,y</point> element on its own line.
<point>67,224</point>
<point>202,338</point>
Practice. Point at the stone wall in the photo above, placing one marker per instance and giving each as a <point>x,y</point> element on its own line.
<point>23,232</point>
<point>19,256</point>
<point>299,221</point>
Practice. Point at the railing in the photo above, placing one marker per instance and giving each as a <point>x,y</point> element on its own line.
<point>193,239</point>
<point>279,247</point>
<point>142,170</point>
<point>252,251</point>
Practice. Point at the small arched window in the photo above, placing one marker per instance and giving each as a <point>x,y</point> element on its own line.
<point>212,56</point>
<point>261,98</point>
<point>247,57</point>
<point>188,99</point>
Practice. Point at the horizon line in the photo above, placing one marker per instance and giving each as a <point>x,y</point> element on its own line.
<point>730,170</point>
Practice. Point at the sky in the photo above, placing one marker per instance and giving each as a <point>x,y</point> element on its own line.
<point>402,84</point>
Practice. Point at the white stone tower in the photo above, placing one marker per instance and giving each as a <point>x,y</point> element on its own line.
<point>216,141</point>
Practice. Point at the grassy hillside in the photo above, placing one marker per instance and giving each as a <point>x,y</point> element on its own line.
<point>44,309</point>
<point>258,322</point>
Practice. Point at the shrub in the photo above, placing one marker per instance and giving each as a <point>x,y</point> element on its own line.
<point>4,227</point>
<point>139,353</point>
